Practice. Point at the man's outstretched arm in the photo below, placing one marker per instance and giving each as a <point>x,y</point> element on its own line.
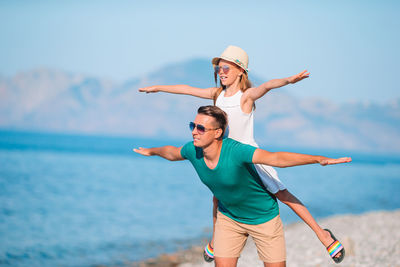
<point>288,159</point>
<point>172,153</point>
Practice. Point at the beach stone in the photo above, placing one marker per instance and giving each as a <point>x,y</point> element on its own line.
<point>348,244</point>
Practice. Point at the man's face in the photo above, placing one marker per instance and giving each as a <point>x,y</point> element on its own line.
<point>204,139</point>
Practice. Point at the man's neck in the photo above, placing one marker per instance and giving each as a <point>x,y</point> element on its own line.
<point>211,153</point>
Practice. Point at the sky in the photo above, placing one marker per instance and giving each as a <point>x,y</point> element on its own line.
<point>351,48</point>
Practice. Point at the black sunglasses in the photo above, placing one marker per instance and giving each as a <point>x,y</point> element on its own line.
<point>224,68</point>
<point>200,128</point>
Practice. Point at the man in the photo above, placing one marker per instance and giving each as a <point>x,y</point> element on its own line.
<point>245,207</point>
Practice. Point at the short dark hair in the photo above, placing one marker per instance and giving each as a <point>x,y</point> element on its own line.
<point>218,114</point>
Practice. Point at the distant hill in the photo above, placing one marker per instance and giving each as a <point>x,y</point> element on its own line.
<point>56,101</point>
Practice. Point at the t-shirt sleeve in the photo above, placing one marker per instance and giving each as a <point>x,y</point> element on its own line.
<point>185,150</point>
<point>244,153</point>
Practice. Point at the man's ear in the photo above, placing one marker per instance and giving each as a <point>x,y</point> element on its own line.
<point>218,133</point>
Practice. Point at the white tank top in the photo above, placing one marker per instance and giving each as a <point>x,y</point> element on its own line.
<point>240,123</point>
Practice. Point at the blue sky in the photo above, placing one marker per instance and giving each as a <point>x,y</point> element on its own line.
<point>351,48</point>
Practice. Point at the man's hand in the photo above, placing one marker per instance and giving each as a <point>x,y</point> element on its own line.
<point>143,151</point>
<point>328,161</point>
<point>298,77</point>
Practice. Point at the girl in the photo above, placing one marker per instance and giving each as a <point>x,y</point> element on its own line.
<point>237,97</point>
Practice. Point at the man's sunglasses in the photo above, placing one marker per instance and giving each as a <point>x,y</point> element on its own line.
<point>224,68</point>
<point>200,128</point>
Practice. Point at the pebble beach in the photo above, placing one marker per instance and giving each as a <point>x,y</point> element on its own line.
<point>370,239</point>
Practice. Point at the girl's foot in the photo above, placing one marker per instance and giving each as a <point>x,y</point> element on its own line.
<point>334,247</point>
<point>326,238</point>
<point>208,253</point>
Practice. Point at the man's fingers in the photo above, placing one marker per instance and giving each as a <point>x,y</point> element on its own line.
<point>346,159</point>
<point>343,160</point>
<point>138,150</point>
<point>336,161</point>
<point>142,151</point>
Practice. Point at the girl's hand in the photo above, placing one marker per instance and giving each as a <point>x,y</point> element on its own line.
<point>149,89</point>
<point>334,161</point>
<point>298,77</point>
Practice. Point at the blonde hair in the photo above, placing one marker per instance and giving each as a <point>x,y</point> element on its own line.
<point>244,84</point>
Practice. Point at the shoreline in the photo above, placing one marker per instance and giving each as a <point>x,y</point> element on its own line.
<point>370,239</point>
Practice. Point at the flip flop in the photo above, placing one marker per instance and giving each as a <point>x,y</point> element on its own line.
<point>208,253</point>
<point>334,248</point>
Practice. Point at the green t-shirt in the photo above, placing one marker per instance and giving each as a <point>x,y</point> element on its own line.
<point>235,182</point>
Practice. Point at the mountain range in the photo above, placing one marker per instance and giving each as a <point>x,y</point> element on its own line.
<point>57,101</point>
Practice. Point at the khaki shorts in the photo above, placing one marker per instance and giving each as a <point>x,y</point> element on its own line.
<point>231,236</point>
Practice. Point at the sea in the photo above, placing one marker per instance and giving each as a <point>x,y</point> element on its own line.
<point>73,200</point>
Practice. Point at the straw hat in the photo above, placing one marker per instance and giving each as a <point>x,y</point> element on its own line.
<point>235,55</point>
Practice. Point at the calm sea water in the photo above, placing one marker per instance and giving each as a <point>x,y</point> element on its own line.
<point>85,201</point>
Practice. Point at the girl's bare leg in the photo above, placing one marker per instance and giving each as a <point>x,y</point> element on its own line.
<point>208,252</point>
<point>215,207</point>
<point>295,204</point>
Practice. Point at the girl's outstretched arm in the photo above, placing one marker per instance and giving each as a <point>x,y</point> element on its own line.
<point>182,89</point>
<point>257,92</point>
